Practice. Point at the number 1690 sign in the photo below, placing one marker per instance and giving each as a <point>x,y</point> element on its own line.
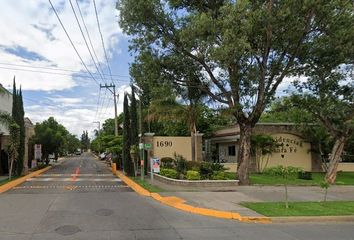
<point>164,143</point>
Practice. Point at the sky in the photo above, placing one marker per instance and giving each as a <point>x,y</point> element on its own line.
<point>36,51</point>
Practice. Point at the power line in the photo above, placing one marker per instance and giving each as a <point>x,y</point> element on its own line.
<point>104,49</point>
<point>83,36</point>
<point>58,69</point>
<point>54,73</point>
<point>88,36</point>
<point>78,54</point>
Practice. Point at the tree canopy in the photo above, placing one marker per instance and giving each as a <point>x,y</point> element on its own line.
<point>237,52</point>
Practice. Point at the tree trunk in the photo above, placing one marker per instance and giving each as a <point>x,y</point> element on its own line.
<point>244,156</point>
<point>334,159</point>
<point>11,166</point>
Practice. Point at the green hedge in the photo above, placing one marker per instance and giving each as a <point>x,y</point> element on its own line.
<point>193,175</point>
<point>168,172</point>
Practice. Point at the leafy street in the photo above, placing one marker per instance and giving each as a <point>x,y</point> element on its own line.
<point>98,206</point>
<point>175,119</point>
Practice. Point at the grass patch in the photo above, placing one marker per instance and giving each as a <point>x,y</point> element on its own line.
<point>343,178</point>
<point>146,185</point>
<point>277,209</point>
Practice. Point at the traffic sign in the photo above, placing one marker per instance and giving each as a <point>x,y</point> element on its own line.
<point>148,146</point>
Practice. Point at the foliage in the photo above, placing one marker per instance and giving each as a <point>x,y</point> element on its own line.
<point>181,164</point>
<point>277,209</point>
<point>236,52</point>
<point>262,146</point>
<point>343,178</point>
<point>193,165</point>
<point>72,143</point>
<point>193,175</point>
<point>128,166</point>
<point>305,175</point>
<point>168,172</point>
<point>85,141</point>
<point>18,115</point>
<point>12,148</point>
<point>325,185</point>
<point>146,185</point>
<point>167,162</point>
<point>286,173</point>
<point>52,136</point>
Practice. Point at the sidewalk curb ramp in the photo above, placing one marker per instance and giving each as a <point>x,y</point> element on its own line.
<point>14,183</point>
<point>180,204</point>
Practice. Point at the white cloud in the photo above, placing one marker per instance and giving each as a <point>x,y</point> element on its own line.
<point>31,26</point>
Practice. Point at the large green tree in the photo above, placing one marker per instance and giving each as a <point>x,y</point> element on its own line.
<point>328,92</point>
<point>52,136</point>
<point>241,50</point>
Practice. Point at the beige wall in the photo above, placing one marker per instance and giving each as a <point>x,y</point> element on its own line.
<point>346,167</point>
<point>163,146</point>
<point>168,146</point>
<point>293,152</point>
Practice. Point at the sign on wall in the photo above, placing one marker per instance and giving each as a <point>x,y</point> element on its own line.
<point>155,165</point>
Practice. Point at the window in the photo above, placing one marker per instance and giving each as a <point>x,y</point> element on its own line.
<point>232,150</point>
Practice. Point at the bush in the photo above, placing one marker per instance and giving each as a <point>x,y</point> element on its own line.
<point>167,162</point>
<point>181,164</point>
<point>305,175</point>
<point>193,175</point>
<point>206,170</point>
<point>194,166</point>
<point>168,172</point>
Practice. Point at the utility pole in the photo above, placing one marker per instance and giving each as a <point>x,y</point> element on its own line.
<point>99,134</point>
<point>110,87</point>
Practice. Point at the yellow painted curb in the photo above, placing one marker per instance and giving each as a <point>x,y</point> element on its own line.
<point>14,183</point>
<point>179,203</point>
<point>136,187</point>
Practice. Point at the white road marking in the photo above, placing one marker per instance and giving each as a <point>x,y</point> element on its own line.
<point>70,179</point>
<point>71,175</point>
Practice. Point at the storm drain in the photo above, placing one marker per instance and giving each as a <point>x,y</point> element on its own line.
<point>67,230</point>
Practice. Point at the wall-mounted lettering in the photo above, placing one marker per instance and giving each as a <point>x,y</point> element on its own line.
<point>164,144</point>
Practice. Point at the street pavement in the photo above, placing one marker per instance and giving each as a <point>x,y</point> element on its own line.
<point>81,199</point>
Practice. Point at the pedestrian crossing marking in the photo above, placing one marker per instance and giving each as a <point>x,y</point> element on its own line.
<point>73,174</point>
<point>70,187</point>
<point>70,179</point>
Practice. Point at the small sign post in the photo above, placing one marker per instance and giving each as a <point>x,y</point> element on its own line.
<point>155,167</point>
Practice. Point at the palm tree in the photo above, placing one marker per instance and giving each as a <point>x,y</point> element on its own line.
<point>168,109</point>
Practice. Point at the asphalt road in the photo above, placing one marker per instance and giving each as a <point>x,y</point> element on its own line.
<point>81,199</point>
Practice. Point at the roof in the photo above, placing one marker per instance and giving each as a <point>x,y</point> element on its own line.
<point>2,89</point>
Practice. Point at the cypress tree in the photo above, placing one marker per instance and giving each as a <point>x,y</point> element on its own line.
<point>134,119</point>
<point>18,116</point>
<point>21,123</point>
<point>127,162</point>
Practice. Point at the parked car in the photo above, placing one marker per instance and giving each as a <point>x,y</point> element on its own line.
<point>103,156</point>
<point>77,152</point>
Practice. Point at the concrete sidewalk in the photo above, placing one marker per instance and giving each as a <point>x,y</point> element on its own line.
<point>229,199</point>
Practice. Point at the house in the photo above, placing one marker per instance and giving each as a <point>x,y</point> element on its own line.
<point>5,107</point>
<point>292,149</point>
